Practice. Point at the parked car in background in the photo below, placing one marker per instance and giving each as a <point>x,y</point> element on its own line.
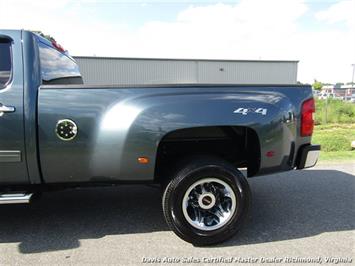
<point>324,96</point>
<point>316,93</point>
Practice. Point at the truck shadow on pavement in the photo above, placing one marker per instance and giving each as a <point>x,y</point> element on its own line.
<point>298,204</point>
<point>290,205</point>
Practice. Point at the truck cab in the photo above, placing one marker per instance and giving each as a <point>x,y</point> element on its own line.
<point>20,77</point>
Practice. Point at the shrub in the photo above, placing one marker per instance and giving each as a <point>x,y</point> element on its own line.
<point>334,111</point>
<point>334,137</point>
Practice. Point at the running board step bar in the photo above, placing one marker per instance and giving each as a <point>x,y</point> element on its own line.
<point>15,198</point>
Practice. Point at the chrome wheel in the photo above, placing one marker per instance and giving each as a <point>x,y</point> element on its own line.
<point>209,204</point>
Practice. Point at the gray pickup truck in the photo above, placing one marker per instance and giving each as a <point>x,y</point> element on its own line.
<point>58,133</point>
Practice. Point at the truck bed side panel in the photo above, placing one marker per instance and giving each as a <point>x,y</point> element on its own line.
<point>118,125</point>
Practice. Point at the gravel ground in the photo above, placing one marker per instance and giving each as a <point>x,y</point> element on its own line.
<point>297,215</point>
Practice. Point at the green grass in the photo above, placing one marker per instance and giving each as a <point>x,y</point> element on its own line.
<point>337,156</point>
<point>335,140</point>
<point>334,111</point>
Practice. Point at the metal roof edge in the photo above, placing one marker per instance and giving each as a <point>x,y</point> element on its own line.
<point>172,85</point>
<point>185,59</point>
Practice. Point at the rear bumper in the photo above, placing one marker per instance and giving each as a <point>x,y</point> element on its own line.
<point>308,156</point>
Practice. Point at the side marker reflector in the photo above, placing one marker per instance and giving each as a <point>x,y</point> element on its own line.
<point>270,154</point>
<point>143,160</point>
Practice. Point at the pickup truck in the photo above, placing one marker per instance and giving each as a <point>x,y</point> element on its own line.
<point>193,140</point>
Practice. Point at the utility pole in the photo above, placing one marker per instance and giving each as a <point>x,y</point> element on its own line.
<point>352,79</point>
<point>326,109</point>
<point>352,82</point>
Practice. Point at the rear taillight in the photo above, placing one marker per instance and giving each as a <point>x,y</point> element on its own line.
<point>307,121</point>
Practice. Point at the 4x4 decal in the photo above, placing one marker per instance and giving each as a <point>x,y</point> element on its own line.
<point>245,111</point>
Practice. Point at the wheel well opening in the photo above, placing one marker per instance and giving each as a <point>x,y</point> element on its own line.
<point>238,145</point>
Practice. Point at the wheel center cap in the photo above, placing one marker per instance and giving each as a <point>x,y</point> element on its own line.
<point>207,201</point>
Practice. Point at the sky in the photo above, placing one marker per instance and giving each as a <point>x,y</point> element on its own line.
<point>320,34</point>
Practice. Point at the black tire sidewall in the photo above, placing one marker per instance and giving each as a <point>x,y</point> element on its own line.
<point>177,188</point>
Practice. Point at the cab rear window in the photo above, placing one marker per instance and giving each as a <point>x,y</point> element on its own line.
<point>5,62</point>
<point>56,67</point>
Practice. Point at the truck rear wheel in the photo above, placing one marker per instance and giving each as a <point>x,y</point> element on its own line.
<point>207,201</point>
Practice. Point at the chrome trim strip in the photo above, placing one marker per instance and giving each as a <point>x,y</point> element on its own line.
<point>312,158</point>
<point>10,156</point>
<point>6,109</point>
<point>15,198</point>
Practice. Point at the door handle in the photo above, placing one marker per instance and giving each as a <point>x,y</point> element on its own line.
<point>6,109</point>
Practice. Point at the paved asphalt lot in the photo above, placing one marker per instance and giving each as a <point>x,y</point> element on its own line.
<point>299,214</point>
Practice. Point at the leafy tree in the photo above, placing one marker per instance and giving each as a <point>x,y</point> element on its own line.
<point>317,85</point>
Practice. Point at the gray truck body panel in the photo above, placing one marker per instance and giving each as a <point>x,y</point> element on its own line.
<point>116,125</point>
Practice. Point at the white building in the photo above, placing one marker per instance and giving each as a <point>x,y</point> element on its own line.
<point>128,71</point>
<point>345,92</point>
